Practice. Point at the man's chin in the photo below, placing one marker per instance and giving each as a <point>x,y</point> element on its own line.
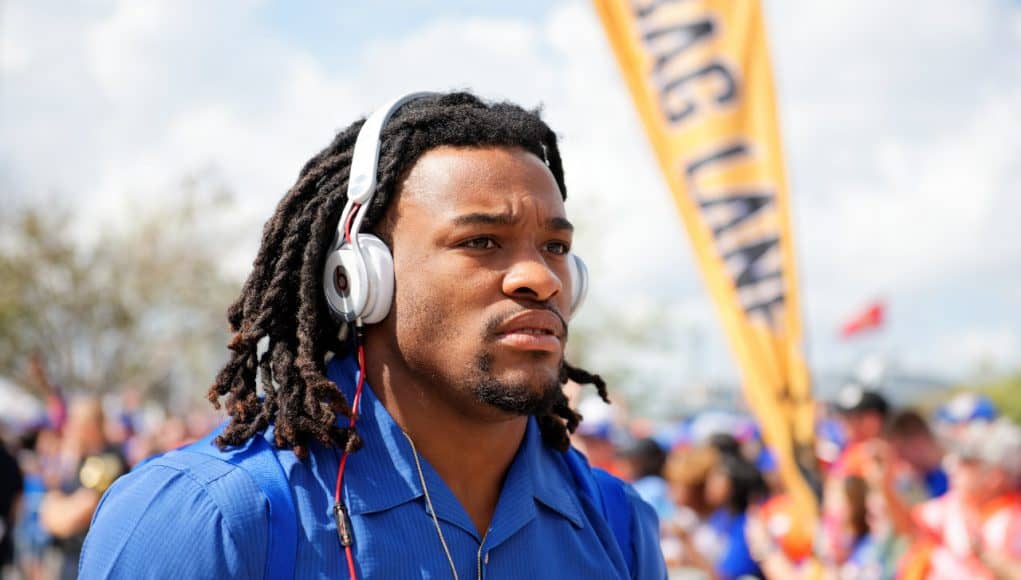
<point>518,398</point>
<point>518,387</point>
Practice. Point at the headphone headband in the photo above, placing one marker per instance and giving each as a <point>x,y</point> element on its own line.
<point>365,160</point>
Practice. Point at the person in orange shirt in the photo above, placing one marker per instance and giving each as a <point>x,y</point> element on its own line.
<point>862,414</point>
<point>974,531</point>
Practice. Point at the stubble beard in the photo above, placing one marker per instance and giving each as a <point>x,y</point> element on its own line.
<point>518,399</point>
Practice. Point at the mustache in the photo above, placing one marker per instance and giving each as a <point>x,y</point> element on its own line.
<point>495,323</point>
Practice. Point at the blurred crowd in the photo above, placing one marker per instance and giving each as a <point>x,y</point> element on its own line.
<point>903,495</point>
<point>54,470</point>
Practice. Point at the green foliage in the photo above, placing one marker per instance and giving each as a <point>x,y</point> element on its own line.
<point>139,302</point>
<point>1006,393</point>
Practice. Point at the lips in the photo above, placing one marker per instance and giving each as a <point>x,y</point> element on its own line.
<point>533,330</point>
<point>533,322</point>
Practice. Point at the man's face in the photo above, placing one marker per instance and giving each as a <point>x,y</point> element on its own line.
<point>915,449</point>
<point>976,481</point>
<point>861,425</point>
<point>966,478</point>
<point>480,243</point>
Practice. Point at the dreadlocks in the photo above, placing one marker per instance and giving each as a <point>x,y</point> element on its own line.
<point>282,300</point>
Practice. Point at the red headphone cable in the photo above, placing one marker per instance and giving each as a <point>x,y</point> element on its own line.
<point>344,532</point>
<point>350,218</point>
<point>339,509</point>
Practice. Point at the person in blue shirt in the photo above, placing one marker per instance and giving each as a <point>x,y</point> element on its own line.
<point>643,463</point>
<point>732,486</point>
<point>914,442</point>
<point>408,385</point>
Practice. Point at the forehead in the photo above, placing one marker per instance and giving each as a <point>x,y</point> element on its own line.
<point>449,181</point>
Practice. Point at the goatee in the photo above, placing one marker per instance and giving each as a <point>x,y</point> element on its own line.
<point>519,399</point>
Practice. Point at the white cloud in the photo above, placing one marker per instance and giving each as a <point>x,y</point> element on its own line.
<point>899,123</point>
<point>997,344</point>
<point>928,215</point>
<point>904,161</point>
<point>997,347</point>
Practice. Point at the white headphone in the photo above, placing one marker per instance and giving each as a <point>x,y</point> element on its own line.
<point>358,277</point>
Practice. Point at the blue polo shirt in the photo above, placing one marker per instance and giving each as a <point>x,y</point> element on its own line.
<point>170,520</point>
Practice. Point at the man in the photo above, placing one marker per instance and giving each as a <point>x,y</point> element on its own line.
<point>862,414</point>
<point>643,463</point>
<point>453,462</point>
<point>912,440</point>
<point>88,465</point>
<point>953,417</point>
<point>974,530</point>
<point>595,437</point>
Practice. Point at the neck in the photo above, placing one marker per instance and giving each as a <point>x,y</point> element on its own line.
<point>471,451</point>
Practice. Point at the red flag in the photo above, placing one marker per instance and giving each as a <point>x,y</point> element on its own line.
<point>871,318</point>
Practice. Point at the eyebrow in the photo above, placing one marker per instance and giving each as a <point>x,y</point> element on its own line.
<point>559,223</point>
<point>505,219</point>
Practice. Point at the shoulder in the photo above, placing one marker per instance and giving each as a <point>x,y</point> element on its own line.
<point>643,511</point>
<point>655,491</point>
<point>645,537</point>
<point>191,515</point>
<point>647,555</point>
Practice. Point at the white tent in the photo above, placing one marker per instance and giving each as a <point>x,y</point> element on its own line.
<point>16,405</point>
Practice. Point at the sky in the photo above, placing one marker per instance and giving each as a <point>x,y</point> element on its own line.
<point>900,122</point>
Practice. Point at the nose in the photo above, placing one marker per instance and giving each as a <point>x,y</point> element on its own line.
<point>531,277</point>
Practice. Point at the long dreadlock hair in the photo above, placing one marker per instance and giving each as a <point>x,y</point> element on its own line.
<point>282,300</point>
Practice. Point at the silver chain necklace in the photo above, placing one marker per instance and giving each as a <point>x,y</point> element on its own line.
<point>429,503</point>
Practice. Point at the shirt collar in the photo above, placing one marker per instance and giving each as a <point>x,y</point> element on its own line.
<point>387,475</point>
<point>552,483</point>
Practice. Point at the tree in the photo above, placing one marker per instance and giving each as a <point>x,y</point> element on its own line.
<point>142,305</point>
<point>1006,393</point>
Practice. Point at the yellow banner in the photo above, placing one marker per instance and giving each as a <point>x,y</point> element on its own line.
<point>700,77</point>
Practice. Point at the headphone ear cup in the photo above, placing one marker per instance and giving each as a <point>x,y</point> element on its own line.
<point>379,266</point>
<point>344,283</point>
<point>579,282</point>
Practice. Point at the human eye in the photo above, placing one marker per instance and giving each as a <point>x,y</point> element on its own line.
<point>479,243</point>
<point>558,248</point>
